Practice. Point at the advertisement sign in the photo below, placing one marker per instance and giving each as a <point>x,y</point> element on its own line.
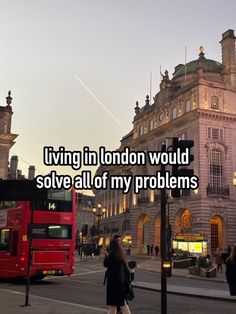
<point>195,247</point>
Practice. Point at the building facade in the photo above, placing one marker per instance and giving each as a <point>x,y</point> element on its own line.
<point>6,137</point>
<point>198,103</point>
<point>84,213</point>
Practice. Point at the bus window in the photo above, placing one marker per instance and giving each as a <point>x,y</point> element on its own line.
<point>14,243</point>
<point>58,201</point>
<point>46,231</point>
<point>60,232</point>
<point>7,204</point>
<point>4,240</point>
<point>62,195</point>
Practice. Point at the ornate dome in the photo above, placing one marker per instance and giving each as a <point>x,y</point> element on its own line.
<point>208,66</point>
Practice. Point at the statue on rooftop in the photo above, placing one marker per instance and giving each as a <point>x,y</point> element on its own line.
<point>9,98</point>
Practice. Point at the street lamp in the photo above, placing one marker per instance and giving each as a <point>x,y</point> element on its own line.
<point>99,212</point>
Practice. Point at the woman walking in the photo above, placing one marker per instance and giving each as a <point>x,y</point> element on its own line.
<point>115,279</point>
<point>231,271</point>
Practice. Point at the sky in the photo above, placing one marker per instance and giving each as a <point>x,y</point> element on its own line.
<point>76,68</point>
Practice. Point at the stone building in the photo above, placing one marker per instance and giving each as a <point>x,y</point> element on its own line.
<point>197,103</point>
<point>6,137</point>
<point>84,211</point>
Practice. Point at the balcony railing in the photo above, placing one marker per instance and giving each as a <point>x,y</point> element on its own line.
<point>218,191</point>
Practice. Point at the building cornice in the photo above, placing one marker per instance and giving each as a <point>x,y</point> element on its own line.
<point>210,114</point>
<point>7,137</point>
<point>166,127</point>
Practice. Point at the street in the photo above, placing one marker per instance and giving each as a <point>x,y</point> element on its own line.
<point>85,289</point>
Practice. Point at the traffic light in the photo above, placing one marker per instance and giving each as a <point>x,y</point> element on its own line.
<point>177,171</point>
<point>93,231</point>
<point>167,268</point>
<point>84,230</point>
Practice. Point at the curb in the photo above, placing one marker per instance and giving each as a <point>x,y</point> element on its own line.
<point>200,296</point>
<point>186,276</point>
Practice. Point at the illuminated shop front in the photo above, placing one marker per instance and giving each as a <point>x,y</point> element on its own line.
<point>186,239</point>
<point>194,243</point>
<point>127,240</point>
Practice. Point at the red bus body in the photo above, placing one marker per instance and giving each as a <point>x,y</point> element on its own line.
<point>51,254</point>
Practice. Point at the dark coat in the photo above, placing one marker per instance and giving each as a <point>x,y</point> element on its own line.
<point>231,276</point>
<point>115,280</point>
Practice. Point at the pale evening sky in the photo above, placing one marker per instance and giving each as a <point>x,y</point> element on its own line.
<point>111,46</point>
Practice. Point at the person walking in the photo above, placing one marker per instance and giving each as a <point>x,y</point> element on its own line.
<point>231,271</point>
<point>219,259</point>
<point>151,249</point>
<point>156,250</point>
<point>148,249</point>
<point>114,278</point>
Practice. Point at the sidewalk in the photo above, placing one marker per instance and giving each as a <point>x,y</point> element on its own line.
<point>11,302</point>
<point>154,264</point>
<point>206,293</point>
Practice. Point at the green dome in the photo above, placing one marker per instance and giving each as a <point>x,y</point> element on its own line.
<point>208,66</point>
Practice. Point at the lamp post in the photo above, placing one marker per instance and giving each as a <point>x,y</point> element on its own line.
<point>99,212</point>
<point>168,226</point>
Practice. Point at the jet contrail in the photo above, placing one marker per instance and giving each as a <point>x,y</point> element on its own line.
<point>101,103</point>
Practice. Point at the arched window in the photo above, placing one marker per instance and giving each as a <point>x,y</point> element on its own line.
<point>186,219</point>
<point>174,113</point>
<point>216,168</point>
<point>215,103</point>
<point>141,130</point>
<point>151,125</point>
<point>187,105</point>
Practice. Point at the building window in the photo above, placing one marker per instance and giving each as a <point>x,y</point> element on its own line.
<point>187,105</point>
<point>161,116</point>
<point>174,111</point>
<point>151,125</point>
<point>215,103</point>
<point>216,168</point>
<point>182,136</point>
<point>214,236</point>
<point>163,142</point>
<point>141,130</point>
<point>215,134</point>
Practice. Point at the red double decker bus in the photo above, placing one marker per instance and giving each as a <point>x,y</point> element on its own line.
<point>53,236</point>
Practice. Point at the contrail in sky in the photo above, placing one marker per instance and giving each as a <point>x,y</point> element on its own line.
<point>100,103</point>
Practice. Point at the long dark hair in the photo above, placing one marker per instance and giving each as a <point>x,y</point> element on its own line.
<point>116,250</point>
<point>232,256</point>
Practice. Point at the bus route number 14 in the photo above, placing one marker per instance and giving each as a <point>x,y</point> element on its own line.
<point>52,206</point>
